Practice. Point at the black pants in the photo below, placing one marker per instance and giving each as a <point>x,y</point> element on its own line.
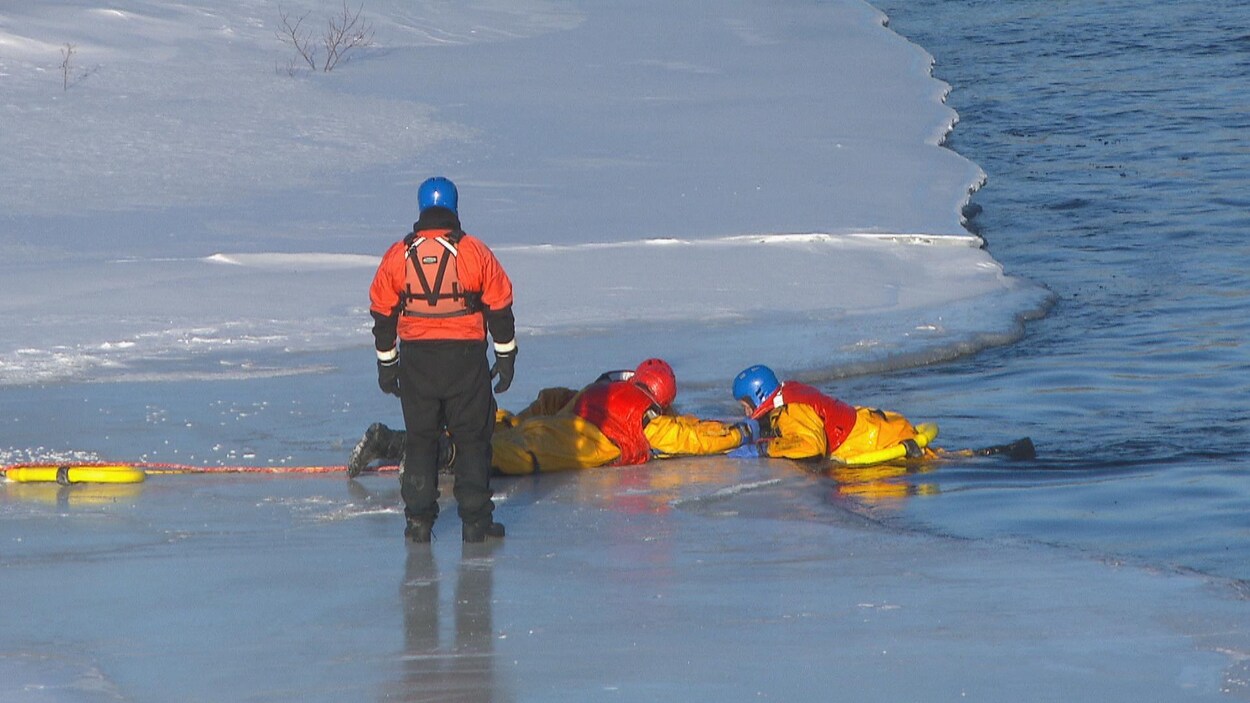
<point>446,384</point>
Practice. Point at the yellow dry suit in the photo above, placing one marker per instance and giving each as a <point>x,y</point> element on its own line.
<point>547,436</point>
<point>799,433</point>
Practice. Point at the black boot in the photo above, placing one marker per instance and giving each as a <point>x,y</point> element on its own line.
<point>370,447</point>
<point>419,531</point>
<point>379,442</point>
<point>1020,450</point>
<point>480,530</point>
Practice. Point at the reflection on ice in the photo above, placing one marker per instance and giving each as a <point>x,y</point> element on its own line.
<point>72,497</point>
<point>878,486</point>
<point>440,668</point>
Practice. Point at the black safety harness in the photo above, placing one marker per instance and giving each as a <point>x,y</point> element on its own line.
<point>435,257</point>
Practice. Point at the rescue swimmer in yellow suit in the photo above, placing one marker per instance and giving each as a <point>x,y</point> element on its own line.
<point>622,418</point>
<point>799,422</point>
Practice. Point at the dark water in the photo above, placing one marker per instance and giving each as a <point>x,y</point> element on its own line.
<point>1116,137</point>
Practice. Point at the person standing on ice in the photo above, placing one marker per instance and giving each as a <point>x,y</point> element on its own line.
<point>623,417</point>
<point>435,295</point>
<point>799,422</point>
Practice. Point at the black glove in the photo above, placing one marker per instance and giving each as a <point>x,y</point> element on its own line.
<point>505,366</point>
<point>388,376</point>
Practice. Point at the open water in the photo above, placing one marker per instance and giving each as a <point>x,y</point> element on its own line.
<point>1116,139</point>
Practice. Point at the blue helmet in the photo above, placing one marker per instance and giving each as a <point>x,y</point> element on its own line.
<point>436,192</point>
<point>756,385</point>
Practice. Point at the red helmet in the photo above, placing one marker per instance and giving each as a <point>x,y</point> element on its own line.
<point>657,378</point>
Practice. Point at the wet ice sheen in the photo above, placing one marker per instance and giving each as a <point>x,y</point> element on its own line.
<point>622,583</point>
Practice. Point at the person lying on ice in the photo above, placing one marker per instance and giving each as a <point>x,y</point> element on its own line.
<point>799,422</point>
<point>623,418</point>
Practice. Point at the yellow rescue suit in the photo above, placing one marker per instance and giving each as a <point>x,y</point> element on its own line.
<point>800,433</point>
<point>542,438</point>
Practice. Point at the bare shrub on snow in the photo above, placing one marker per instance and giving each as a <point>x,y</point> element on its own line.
<point>70,73</point>
<point>66,54</point>
<point>344,33</point>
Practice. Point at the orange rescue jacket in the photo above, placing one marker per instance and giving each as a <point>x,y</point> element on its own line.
<point>477,273</point>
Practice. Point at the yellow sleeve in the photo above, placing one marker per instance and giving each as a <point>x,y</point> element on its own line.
<point>550,401</point>
<point>800,433</point>
<point>673,435</point>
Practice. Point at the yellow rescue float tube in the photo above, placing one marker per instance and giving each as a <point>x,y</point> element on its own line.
<point>925,433</point>
<point>76,473</point>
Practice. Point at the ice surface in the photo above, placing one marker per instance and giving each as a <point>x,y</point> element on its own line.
<point>683,580</point>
